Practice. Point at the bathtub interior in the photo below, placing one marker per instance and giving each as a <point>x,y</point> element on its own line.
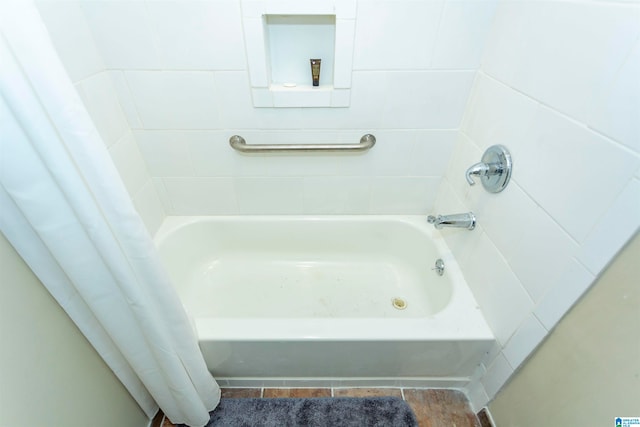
<point>304,267</point>
<point>307,301</point>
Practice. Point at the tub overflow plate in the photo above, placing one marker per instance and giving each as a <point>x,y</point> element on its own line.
<point>439,267</point>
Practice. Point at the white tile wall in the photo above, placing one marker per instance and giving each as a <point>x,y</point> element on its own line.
<point>336,195</point>
<point>255,51</point>
<point>341,97</point>
<point>392,35</point>
<point>163,195</point>
<point>98,94</point>
<point>524,341</point>
<point>403,195</point>
<point>122,31</point>
<point>72,38</point>
<point>237,112</point>
<point>175,99</point>
<point>345,34</point>
<point>552,143</point>
<point>432,99</point>
<point>127,104</point>
<point>497,114</point>
<point>465,25</point>
<point>368,92</point>
<point>569,55</point>
<point>130,165</point>
<point>502,297</point>
<point>167,153</point>
<point>552,247</point>
<point>188,100</point>
<point>205,195</point>
<point>303,98</point>
<point>465,154</point>
<point>507,231</point>
<point>198,35</point>
<point>604,240</point>
<point>270,195</point>
<point>150,207</point>
<point>563,293</point>
<point>613,111</point>
<point>346,8</point>
<point>555,88</point>
<point>497,374</point>
<point>431,149</point>
<point>300,166</point>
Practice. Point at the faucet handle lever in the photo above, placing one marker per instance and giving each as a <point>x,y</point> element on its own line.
<point>479,169</point>
<point>494,169</point>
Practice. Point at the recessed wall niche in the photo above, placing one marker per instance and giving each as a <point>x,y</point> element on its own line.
<point>292,40</point>
<point>281,36</point>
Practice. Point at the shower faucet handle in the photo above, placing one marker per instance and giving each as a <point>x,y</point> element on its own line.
<point>479,169</point>
<point>494,170</point>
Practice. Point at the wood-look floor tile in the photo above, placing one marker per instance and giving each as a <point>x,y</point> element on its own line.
<point>297,392</point>
<point>167,423</point>
<point>241,392</point>
<point>441,408</point>
<point>367,392</point>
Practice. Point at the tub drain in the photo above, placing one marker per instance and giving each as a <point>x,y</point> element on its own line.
<point>399,303</point>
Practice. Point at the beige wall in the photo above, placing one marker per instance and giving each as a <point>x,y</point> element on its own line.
<point>49,374</point>
<point>588,370</point>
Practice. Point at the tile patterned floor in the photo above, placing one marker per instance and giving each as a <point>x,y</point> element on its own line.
<point>433,407</point>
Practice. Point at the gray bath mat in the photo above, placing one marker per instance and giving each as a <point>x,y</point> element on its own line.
<point>314,412</point>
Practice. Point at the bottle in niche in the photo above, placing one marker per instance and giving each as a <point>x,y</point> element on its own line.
<point>315,71</point>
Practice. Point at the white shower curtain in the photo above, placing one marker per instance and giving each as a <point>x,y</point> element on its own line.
<point>65,210</point>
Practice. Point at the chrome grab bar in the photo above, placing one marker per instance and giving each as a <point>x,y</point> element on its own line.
<point>238,143</point>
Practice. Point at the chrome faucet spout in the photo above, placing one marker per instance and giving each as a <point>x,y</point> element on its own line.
<point>462,220</point>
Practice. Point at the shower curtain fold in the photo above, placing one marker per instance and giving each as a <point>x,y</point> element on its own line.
<point>65,210</point>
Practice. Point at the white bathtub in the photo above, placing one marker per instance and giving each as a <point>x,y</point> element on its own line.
<point>325,300</point>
